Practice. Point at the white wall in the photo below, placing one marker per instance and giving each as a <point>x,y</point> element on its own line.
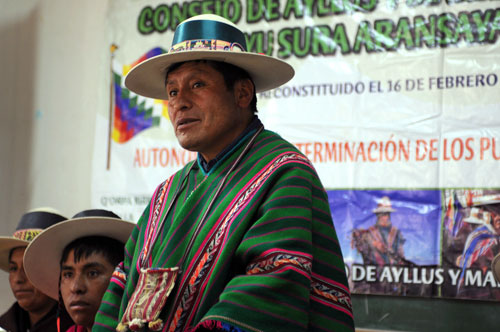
<point>52,55</point>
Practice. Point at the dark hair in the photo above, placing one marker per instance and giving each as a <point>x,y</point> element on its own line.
<point>83,247</point>
<point>12,250</point>
<point>229,72</point>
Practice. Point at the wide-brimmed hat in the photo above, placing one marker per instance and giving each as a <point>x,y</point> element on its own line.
<point>207,37</point>
<point>483,198</point>
<point>478,216</point>
<point>384,206</point>
<point>43,255</point>
<point>31,224</point>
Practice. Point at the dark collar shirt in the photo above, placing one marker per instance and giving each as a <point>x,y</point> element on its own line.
<point>16,319</point>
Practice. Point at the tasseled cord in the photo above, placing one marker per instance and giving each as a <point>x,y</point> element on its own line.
<point>60,307</point>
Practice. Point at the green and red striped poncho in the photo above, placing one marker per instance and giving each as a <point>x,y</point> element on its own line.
<point>266,259</point>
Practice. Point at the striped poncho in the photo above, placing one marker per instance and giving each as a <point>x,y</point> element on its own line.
<point>266,259</point>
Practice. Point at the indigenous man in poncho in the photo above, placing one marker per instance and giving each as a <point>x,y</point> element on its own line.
<point>482,245</point>
<point>381,244</point>
<point>242,238</point>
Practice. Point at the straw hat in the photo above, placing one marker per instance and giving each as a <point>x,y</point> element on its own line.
<point>478,216</point>
<point>31,224</point>
<point>384,206</point>
<point>207,37</point>
<point>49,245</point>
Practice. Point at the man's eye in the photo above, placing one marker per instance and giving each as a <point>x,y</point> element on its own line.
<point>94,273</point>
<point>197,84</point>
<point>172,93</point>
<point>12,268</point>
<point>67,275</point>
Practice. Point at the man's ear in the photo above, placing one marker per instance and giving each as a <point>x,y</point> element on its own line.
<point>243,92</point>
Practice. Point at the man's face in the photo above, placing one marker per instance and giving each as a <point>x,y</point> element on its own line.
<point>496,222</point>
<point>206,116</point>
<point>83,284</point>
<point>384,219</point>
<point>28,297</point>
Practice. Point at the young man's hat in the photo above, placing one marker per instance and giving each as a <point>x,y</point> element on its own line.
<point>31,224</point>
<point>43,255</point>
<point>207,37</point>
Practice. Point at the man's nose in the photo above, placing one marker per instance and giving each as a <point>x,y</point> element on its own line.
<point>183,99</point>
<point>20,276</point>
<point>79,284</point>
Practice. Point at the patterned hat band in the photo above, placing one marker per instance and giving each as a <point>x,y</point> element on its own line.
<point>27,234</point>
<point>206,45</point>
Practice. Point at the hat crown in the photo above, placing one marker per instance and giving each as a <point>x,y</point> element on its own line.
<point>32,223</point>
<point>95,213</point>
<point>383,205</point>
<point>38,220</point>
<point>384,202</point>
<point>207,27</point>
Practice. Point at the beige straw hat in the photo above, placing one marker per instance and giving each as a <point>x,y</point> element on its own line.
<point>207,37</point>
<point>43,255</point>
<point>31,224</point>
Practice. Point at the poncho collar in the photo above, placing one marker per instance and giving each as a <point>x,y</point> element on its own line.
<point>206,167</point>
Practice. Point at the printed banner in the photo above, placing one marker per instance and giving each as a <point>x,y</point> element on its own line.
<point>395,102</point>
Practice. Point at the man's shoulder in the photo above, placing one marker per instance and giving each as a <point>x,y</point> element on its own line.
<point>276,138</point>
<point>8,318</point>
<point>179,173</point>
<point>9,311</point>
<point>273,144</point>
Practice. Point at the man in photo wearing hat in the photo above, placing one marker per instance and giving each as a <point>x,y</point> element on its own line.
<point>480,249</point>
<point>79,256</point>
<point>34,311</point>
<point>242,238</point>
<point>382,243</point>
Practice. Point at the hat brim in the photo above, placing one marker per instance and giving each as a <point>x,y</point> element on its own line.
<point>43,255</point>
<point>383,210</point>
<point>474,220</point>
<point>7,243</point>
<point>148,77</point>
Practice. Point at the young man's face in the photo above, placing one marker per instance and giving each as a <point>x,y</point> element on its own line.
<point>205,114</point>
<point>28,297</point>
<point>83,284</point>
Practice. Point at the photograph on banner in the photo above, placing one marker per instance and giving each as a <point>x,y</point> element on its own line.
<point>471,239</point>
<point>390,239</point>
<point>430,243</point>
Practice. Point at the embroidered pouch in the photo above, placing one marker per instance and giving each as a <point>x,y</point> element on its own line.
<point>147,301</point>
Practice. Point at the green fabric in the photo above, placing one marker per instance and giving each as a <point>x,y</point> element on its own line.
<point>270,258</point>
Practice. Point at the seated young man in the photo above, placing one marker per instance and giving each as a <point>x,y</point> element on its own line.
<point>85,251</point>
<point>33,310</point>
